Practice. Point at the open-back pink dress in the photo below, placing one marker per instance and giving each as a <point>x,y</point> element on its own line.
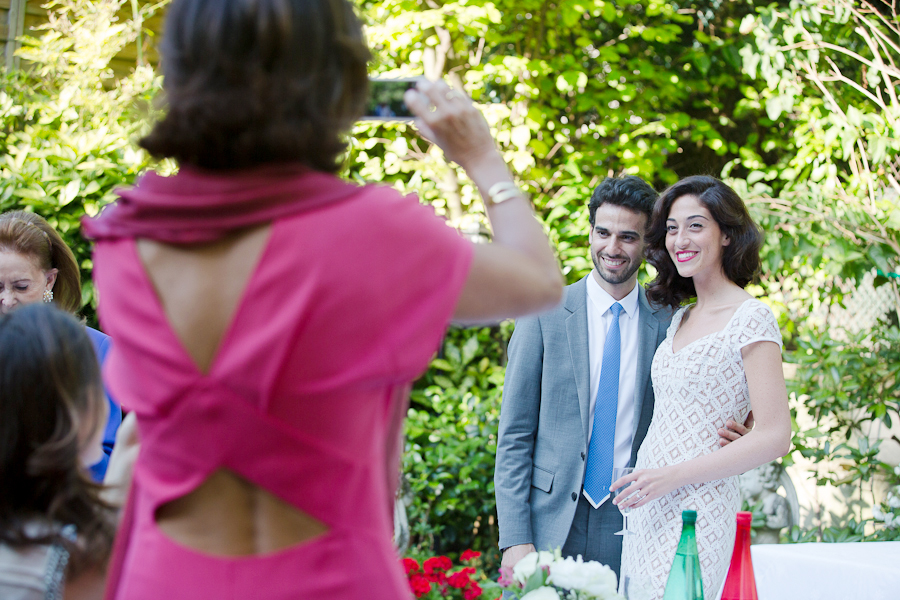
<point>347,304</point>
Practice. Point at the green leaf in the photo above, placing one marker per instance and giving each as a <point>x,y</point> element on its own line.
<point>29,193</point>
<point>443,365</point>
<point>70,192</point>
<point>537,580</point>
<point>878,256</point>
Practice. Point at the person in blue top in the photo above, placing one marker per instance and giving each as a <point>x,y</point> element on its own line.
<point>36,265</point>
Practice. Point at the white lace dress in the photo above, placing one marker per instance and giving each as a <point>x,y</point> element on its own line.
<point>697,389</point>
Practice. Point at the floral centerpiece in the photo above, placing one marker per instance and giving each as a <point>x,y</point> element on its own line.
<point>548,576</point>
<point>436,578</point>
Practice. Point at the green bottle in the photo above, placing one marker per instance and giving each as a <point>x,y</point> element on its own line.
<point>685,582</point>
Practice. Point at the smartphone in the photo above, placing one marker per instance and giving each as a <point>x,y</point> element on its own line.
<point>386,99</point>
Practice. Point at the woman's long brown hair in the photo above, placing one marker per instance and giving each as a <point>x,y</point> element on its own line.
<point>50,395</point>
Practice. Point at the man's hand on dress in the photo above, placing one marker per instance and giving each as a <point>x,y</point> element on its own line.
<point>733,431</point>
<point>514,554</point>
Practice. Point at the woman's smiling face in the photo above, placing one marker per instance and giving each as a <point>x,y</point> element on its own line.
<point>694,240</point>
<point>22,281</point>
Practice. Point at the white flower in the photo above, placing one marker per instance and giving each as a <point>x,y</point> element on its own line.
<point>526,567</point>
<point>876,512</point>
<point>893,501</point>
<point>590,577</point>
<point>542,593</point>
<point>897,470</point>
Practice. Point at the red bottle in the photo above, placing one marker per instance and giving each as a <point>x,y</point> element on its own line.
<point>740,583</point>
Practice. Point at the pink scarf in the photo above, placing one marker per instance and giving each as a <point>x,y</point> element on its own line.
<point>197,206</point>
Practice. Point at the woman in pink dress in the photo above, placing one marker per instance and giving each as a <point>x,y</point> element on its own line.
<point>269,317</point>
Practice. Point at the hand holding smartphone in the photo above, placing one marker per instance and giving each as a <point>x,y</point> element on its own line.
<point>386,99</point>
<point>449,119</point>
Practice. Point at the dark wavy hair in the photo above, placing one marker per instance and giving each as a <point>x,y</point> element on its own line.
<point>50,393</point>
<point>629,192</point>
<point>253,82</point>
<point>31,235</point>
<point>740,258</point>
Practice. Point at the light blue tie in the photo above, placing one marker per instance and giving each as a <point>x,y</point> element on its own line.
<point>598,471</point>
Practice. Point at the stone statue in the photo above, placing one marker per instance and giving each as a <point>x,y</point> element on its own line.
<point>760,486</point>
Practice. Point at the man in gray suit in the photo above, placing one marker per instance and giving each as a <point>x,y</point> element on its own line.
<point>593,351</point>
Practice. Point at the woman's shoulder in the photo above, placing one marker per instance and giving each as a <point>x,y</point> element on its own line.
<point>754,308</point>
<point>98,337</point>
<point>382,219</point>
<point>101,342</point>
<point>23,571</point>
<point>34,570</point>
<point>755,321</point>
<point>375,200</point>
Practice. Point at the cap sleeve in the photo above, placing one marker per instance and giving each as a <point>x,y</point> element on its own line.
<point>756,324</point>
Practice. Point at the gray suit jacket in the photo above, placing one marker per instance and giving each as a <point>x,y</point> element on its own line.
<point>543,437</point>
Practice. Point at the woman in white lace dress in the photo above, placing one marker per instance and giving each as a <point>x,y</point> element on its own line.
<point>721,357</point>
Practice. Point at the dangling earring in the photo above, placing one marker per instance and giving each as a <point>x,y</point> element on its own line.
<point>48,295</point>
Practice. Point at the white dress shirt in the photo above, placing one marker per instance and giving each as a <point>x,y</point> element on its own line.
<point>599,318</point>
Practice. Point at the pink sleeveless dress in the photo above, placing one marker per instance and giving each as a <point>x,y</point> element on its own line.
<point>347,304</point>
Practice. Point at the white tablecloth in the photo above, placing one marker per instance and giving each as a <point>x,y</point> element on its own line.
<point>854,571</point>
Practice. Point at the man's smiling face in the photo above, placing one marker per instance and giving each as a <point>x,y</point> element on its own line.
<point>617,247</point>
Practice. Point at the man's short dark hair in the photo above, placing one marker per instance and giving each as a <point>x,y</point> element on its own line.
<point>248,83</point>
<point>629,192</point>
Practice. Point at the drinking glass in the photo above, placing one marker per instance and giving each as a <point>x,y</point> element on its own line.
<point>624,492</point>
<point>635,588</point>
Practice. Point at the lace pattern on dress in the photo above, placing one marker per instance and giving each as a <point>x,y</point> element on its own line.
<point>697,389</point>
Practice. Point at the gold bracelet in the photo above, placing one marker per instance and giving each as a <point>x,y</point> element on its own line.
<point>503,191</point>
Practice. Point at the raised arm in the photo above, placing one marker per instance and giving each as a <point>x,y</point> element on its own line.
<point>517,273</point>
<point>769,439</point>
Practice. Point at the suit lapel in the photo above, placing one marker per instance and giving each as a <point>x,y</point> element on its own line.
<point>577,335</point>
<point>648,331</point>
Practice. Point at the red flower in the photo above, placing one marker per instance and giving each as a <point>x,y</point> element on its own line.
<point>472,592</point>
<point>469,555</point>
<point>419,585</point>
<point>410,565</point>
<point>459,580</point>
<point>437,563</point>
<point>438,577</point>
<point>469,570</point>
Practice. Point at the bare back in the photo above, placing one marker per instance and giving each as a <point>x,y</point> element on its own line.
<point>200,288</point>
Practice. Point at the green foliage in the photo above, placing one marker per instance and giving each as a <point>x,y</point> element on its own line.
<point>451,434</point>
<point>847,387</point>
<point>67,128</point>
<point>575,90</point>
<point>887,514</point>
<point>825,71</point>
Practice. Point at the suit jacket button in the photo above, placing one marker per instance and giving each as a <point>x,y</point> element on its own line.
<point>582,456</point>
<point>574,496</point>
